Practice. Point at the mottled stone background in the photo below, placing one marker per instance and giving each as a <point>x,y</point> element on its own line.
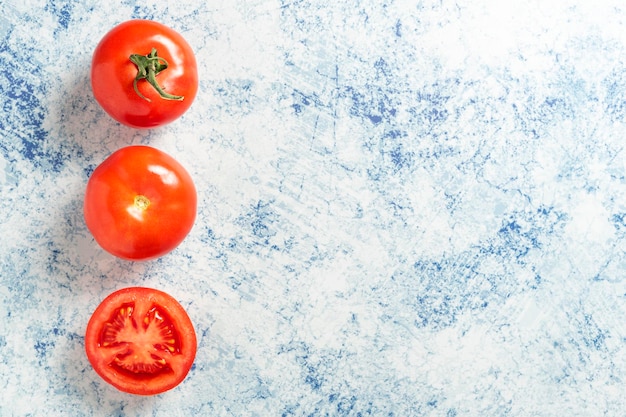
<point>406,208</point>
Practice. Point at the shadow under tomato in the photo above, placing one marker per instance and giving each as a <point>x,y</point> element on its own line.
<point>78,124</point>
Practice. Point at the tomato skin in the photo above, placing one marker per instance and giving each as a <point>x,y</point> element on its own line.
<point>125,225</point>
<point>108,342</point>
<point>112,74</point>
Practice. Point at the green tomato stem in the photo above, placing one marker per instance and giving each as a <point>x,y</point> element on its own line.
<point>148,66</point>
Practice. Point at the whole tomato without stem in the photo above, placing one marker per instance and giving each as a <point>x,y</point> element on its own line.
<point>141,341</point>
<point>144,74</point>
<point>140,203</point>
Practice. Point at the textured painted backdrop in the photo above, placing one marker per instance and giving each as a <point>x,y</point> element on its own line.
<point>406,208</point>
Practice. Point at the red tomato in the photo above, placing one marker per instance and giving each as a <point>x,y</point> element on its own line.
<point>141,341</point>
<point>140,203</point>
<point>144,74</point>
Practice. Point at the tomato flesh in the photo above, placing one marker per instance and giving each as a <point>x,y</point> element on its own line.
<point>145,341</point>
<point>141,341</point>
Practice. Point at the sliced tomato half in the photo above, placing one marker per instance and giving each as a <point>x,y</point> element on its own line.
<point>141,341</point>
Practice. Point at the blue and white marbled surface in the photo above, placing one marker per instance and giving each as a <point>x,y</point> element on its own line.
<point>406,208</point>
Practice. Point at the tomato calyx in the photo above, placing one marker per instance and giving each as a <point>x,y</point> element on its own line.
<point>148,66</point>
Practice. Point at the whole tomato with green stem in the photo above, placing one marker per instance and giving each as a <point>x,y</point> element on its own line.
<point>144,74</point>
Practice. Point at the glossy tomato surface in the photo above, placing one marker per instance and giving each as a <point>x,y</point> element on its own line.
<point>140,203</point>
<point>141,341</point>
<point>113,74</point>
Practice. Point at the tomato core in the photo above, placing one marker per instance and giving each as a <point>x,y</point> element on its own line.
<point>140,342</point>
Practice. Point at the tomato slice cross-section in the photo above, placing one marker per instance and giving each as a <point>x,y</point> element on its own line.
<point>141,341</point>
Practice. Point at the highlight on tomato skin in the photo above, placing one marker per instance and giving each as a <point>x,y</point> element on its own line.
<point>140,203</point>
<point>141,341</point>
